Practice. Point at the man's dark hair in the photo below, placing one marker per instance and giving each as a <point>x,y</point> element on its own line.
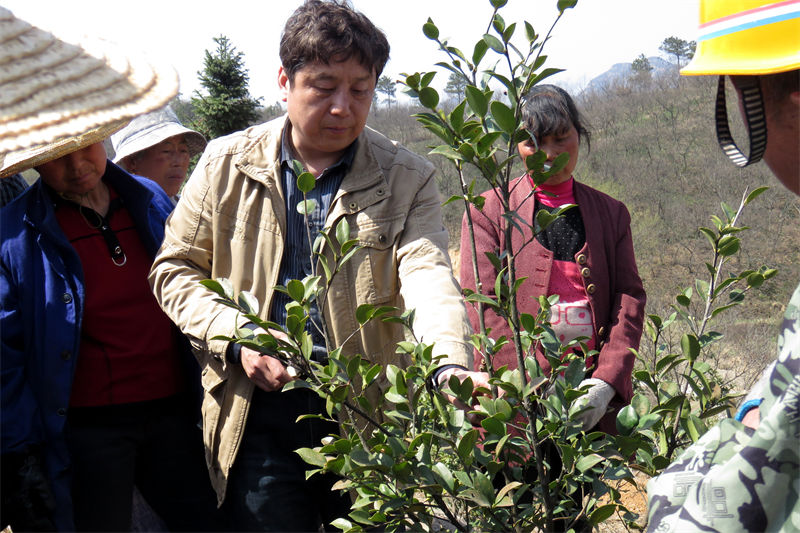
<point>550,110</point>
<point>331,30</point>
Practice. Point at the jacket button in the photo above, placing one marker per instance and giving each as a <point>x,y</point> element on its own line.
<point>66,355</point>
<point>601,332</point>
<point>585,272</point>
<point>61,411</point>
<point>581,259</point>
<point>353,206</point>
<point>591,288</point>
<point>381,238</point>
<point>66,297</point>
<point>380,192</point>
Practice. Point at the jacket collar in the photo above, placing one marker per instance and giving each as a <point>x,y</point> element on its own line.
<point>363,185</point>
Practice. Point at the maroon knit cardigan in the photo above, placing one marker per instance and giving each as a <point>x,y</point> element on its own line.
<point>607,265</point>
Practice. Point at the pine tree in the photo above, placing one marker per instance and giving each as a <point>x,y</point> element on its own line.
<point>388,87</point>
<point>675,46</point>
<point>456,84</point>
<point>227,105</point>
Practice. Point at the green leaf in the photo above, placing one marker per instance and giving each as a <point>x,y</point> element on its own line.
<point>371,374</point>
<point>429,97</point>
<point>466,445</point>
<point>641,404</point>
<point>430,30</point>
<point>444,477</point>
<point>498,23</point>
<point>530,33</point>
<point>755,194</point>
<point>494,425</point>
<point>296,290</point>
<point>248,303</point>
<point>477,100</point>
<point>690,346</point>
<point>497,4</point>
<point>448,152</point>
<point>627,419</point>
<point>503,116</point>
<point>479,51</point>
<point>647,421</point>
<point>306,182</point>
<point>342,231</point>
<point>364,313</point>
<point>343,524</point>
<point>563,5</point>
<point>588,461</point>
<point>494,43</point>
<point>728,245</point>
<point>426,79</point>
<point>306,207</point>
<point>213,285</point>
<point>311,457</point>
<point>602,513</point>
<point>509,32</point>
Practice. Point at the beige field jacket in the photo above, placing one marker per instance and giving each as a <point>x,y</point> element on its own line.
<point>230,223</point>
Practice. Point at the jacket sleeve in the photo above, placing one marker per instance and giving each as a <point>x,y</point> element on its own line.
<point>487,239</point>
<point>19,420</point>
<point>615,361</point>
<point>426,278</point>
<point>184,260</point>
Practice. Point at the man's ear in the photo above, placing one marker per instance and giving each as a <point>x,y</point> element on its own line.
<point>283,83</point>
<point>794,97</point>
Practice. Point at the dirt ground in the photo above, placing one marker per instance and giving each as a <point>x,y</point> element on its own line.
<point>634,497</point>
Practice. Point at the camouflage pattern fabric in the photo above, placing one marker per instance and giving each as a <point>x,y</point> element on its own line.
<point>735,478</point>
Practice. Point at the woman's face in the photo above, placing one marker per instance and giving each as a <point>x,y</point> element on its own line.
<point>553,145</point>
<point>166,163</point>
<point>76,173</point>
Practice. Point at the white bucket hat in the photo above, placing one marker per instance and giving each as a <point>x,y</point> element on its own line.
<point>149,130</point>
<point>57,97</point>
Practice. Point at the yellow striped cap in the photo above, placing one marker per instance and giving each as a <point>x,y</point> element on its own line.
<point>747,37</point>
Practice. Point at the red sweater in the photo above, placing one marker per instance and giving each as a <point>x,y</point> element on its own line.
<point>128,350</point>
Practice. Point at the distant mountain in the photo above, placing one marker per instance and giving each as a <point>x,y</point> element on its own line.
<point>621,71</point>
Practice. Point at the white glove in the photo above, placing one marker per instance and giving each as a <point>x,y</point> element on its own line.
<point>600,393</point>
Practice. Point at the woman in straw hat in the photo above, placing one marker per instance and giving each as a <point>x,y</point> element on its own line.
<point>157,146</point>
<point>95,392</point>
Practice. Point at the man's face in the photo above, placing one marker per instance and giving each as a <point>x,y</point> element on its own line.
<point>328,107</point>
<point>782,155</point>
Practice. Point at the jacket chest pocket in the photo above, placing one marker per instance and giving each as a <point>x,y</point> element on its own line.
<point>376,263</point>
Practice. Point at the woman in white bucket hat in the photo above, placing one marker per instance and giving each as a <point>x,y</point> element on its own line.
<point>96,384</point>
<point>157,146</point>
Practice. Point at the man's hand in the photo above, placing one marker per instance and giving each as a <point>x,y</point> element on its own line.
<point>266,372</point>
<point>752,418</point>
<point>479,379</point>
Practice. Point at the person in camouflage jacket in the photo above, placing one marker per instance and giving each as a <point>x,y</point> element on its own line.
<point>744,474</point>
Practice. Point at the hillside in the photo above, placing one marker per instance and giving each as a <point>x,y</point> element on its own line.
<point>653,147</point>
<point>620,72</point>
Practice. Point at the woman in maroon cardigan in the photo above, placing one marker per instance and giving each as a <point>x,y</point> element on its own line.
<point>586,257</point>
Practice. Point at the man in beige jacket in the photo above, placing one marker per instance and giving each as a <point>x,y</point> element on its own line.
<point>238,219</point>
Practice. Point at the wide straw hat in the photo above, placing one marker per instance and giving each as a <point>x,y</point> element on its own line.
<point>149,130</point>
<point>57,97</point>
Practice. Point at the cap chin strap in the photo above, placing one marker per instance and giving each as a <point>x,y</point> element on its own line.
<point>753,105</point>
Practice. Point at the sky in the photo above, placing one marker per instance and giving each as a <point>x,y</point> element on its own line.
<point>586,41</point>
